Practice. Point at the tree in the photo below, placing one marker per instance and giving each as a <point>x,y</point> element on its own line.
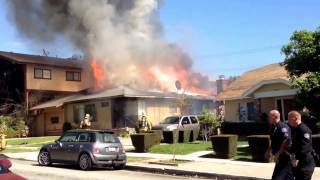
<point>209,123</point>
<point>302,61</point>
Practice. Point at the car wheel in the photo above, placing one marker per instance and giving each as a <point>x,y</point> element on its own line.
<point>119,167</point>
<point>44,158</point>
<point>85,162</point>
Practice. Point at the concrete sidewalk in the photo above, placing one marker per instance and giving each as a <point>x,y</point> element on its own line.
<point>196,165</point>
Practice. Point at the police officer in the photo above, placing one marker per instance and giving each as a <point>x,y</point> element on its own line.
<point>302,158</point>
<point>280,135</point>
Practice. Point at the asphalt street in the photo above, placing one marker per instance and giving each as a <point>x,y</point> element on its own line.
<point>32,171</point>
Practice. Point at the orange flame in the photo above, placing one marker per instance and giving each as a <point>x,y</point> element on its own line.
<point>98,74</point>
<point>166,76</point>
<point>161,77</point>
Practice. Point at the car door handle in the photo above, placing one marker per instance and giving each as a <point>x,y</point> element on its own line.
<point>70,145</point>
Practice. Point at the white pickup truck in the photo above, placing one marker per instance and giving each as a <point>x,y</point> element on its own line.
<point>187,122</point>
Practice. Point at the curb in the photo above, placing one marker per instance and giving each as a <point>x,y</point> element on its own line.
<point>177,172</point>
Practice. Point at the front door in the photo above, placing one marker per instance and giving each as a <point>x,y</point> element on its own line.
<point>284,106</point>
<point>53,122</point>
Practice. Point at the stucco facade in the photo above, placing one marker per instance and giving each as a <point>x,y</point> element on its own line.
<point>261,104</point>
<point>58,80</point>
<point>109,113</point>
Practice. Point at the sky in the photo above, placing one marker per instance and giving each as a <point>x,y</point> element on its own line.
<point>224,37</point>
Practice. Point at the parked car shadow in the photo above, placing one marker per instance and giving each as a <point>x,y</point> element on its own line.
<point>75,167</point>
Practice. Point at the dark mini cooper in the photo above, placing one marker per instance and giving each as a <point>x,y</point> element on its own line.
<point>86,148</point>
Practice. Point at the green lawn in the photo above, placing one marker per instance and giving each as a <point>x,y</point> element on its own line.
<point>242,142</point>
<point>181,148</point>
<point>243,154</point>
<point>187,148</point>
<point>37,141</point>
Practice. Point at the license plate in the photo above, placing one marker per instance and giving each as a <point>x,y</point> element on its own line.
<point>112,149</point>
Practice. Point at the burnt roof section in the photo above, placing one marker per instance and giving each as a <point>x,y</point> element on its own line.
<point>42,60</point>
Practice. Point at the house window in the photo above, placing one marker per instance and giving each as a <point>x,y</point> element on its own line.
<point>73,76</point>
<point>80,111</point>
<point>40,73</point>
<point>90,109</point>
<point>251,107</point>
<point>247,112</point>
<point>54,120</point>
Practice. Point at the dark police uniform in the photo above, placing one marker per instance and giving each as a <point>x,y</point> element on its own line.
<point>302,151</point>
<point>283,169</point>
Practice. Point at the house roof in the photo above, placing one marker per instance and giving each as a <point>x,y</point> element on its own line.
<point>42,60</point>
<point>250,79</point>
<point>122,91</point>
<point>53,103</point>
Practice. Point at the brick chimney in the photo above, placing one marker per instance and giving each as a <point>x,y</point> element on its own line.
<point>222,84</point>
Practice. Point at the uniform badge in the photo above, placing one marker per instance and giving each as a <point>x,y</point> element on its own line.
<point>284,130</point>
<point>306,135</point>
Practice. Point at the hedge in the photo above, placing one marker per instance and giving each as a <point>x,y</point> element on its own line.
<point>144,141</point>
<point>194,135</point>
<point>259,147</point>
<point>159,132</point>
<point>224,146</point>
<point>184,136</point>
<point>171,137</point>
<point>245,129</point>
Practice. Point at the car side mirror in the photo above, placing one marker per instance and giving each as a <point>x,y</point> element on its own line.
<point>5,164</point>
<point>58,142</point>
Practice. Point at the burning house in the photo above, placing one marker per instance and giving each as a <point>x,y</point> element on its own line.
<point>113,108</point>
<point>122,42</point>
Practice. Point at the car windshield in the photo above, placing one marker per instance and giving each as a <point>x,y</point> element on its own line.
<point>171,120</point>
<point>108,138</point>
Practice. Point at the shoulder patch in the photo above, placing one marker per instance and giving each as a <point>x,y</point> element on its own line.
<point>306,135</point>
<point>284,130</point>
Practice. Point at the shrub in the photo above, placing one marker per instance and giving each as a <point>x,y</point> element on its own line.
<point>4,123</point>
<point>144,141</point>
<point>260,148</point>
<point>122,132</point>
<point>245,129</point>
<point>66,126</point>
<point>171,137</point>
<point>12,126</point>
<point>184,136</point>
<point>159,133</point>
<point>194,134</point>
<point>208,122</point>
<point>224,146</point>
<point>11,133</point>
